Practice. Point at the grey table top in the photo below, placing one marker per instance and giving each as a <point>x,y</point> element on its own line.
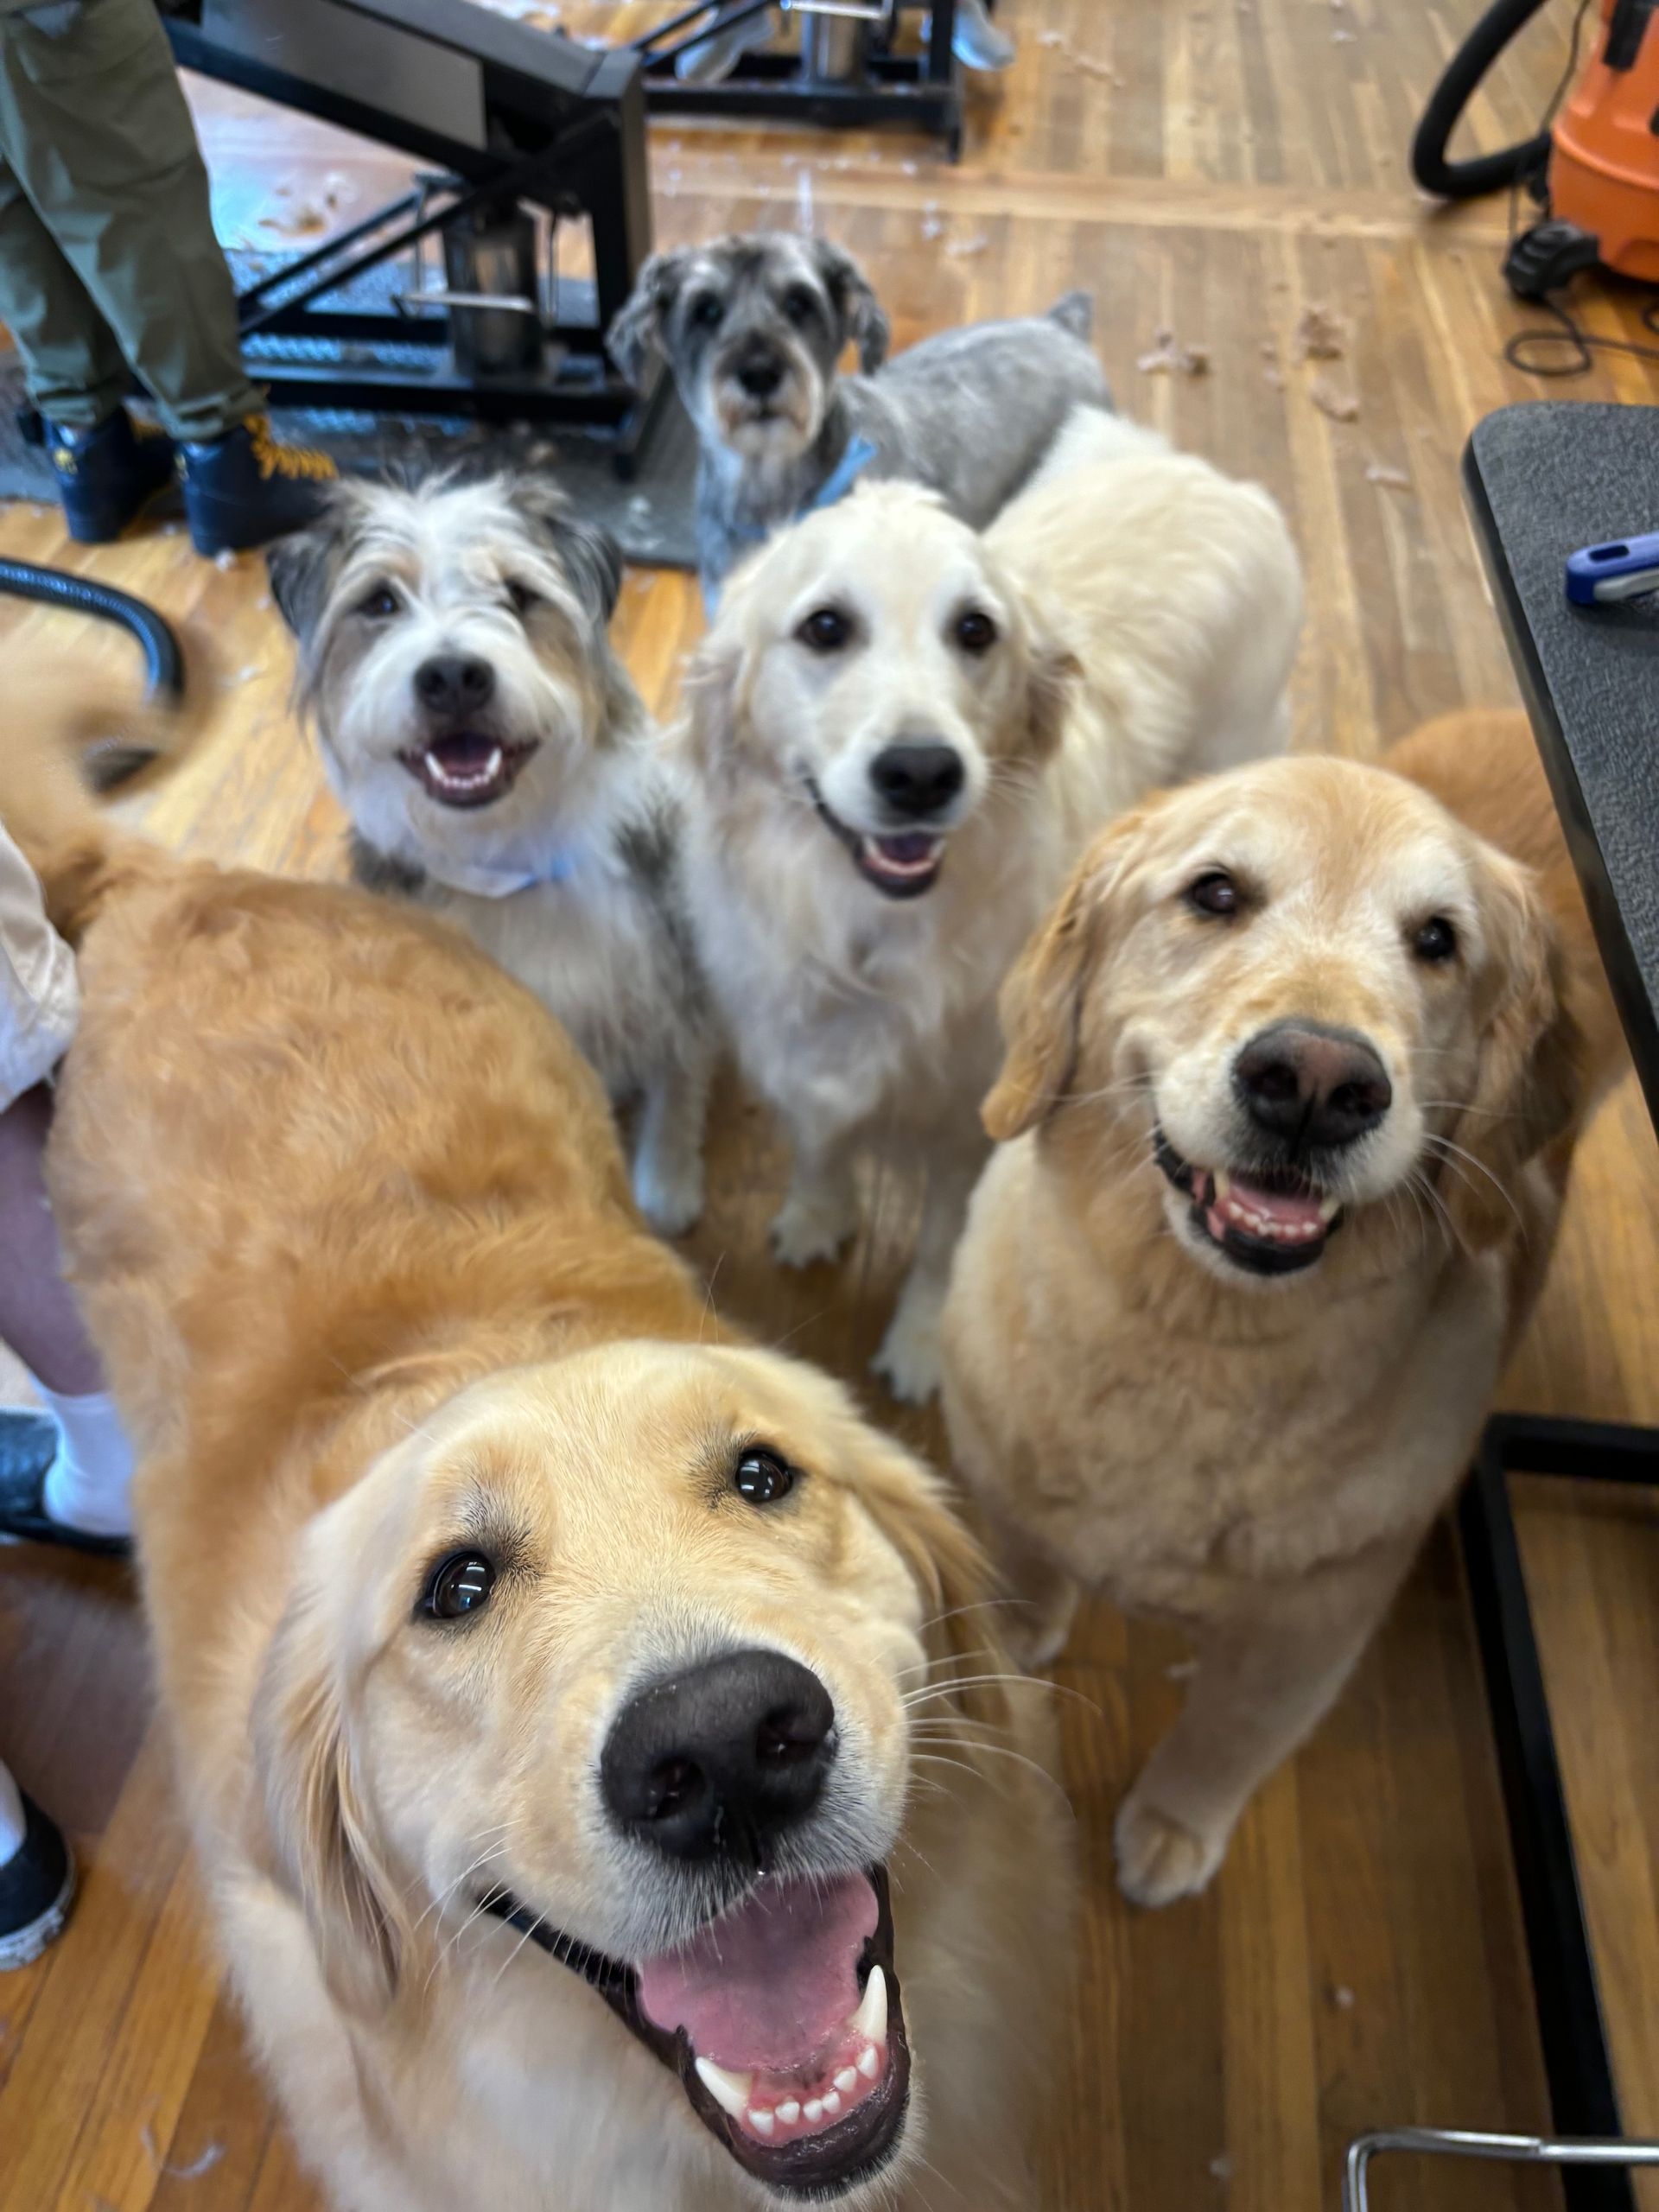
<point>1543,479</point>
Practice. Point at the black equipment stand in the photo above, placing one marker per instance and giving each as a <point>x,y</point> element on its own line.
<point>507,116</point>
<point>1542,481</point>
<point>923,92</point>
<point>1583,2099</point>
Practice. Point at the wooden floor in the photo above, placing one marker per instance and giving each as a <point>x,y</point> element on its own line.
<point>1210,167</point>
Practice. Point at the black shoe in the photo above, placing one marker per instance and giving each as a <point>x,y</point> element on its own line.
<point>37,1886</point>
<point>107,476</point>
<point>28,1445</point>
<point>245,488</point>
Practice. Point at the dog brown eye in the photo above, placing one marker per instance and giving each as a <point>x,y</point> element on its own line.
<point>761,1477</point>
<point>1214,893</point>
<point>1436,940</point>
<point>826,630</point>
<point>460,1584</point>
<point>523,597</point>
<point>704,312</point>
<point>800,305</point>
<point>975,633</point>
<point>378,604</point>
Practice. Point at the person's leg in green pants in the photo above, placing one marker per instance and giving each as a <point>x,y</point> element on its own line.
<point>95,131</point>
<point>93,124</point>
<point>77,374</point>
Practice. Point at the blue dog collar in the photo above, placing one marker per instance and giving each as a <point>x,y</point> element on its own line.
<point>834,489</point>
<point>500,882</point>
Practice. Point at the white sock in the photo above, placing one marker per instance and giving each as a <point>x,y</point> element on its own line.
<point>87,1484</point>
<point>12,1824</point>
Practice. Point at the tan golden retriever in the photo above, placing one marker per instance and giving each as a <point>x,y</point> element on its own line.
<point>901,735</point>
<point>575,1705</point>
<point>1293,1076</point>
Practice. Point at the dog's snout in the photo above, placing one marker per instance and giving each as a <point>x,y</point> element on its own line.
<point>713,1761</point>
<point>918,780</point>
<point>1312,1083</point>
<point>455,683</point>
<point>759,372</point>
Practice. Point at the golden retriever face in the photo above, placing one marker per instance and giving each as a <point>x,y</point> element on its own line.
<point>622,1645</point>
<point>1312,999</point>
<point>875,664</point>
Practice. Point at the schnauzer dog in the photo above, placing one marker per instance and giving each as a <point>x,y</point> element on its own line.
<point>753,327</point>
<point>499,768</point>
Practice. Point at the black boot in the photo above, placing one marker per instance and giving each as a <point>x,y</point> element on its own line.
<point>245,488</point>
<point>107,475</point>
<point>37,1885</point>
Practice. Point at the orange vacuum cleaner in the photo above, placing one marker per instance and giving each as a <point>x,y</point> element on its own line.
<point>1594,173</point>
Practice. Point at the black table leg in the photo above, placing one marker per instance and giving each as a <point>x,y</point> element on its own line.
<point>1584,2100</point>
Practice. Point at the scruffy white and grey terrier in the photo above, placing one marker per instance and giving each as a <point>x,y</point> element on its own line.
<point>499,768</point>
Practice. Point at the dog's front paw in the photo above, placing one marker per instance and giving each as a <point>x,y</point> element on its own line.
<point>1159,1858</point>
<point>908,1362</point>
<point>811,1227</point>
<point>669,1193</point>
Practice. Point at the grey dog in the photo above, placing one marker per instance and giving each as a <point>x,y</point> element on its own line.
<point>753,327</point>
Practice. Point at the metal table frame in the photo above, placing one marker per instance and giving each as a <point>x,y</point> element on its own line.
<point>1589,2145</point>
<point>1578,2064</point>
<point>923,92</point>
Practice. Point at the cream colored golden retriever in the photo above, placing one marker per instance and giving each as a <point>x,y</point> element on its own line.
<point>573,1704</point>
<point>1293,1076</point>
<point>899,735</point>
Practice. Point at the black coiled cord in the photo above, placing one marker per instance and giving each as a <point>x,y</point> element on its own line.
<point>163,656</point>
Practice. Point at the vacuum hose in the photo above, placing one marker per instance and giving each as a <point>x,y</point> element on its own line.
<point>163,656</point>
<point>1485,172</point>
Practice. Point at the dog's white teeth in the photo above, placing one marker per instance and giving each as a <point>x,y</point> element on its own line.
<point>813,2110</point>
<point>1224,1183</point>
<point>762,2122</point>
<point>869,2063</point>
<point>847,2078</point>
<point>789,2111</point>
<point>832,2103</point>
<point>1329,1209</point>
<point>870,2020</point>
<point>729,2091</point>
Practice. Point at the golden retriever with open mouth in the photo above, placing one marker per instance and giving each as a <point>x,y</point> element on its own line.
<point>1292,1078</point>
<point>900,734</point>
<point>580,1712</point>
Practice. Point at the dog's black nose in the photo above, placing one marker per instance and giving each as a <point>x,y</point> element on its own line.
<point>759,374</point>
<point>455,683</point>
<point>1312,1083</point>
<point>918,780</point>
<point>713,1761</point>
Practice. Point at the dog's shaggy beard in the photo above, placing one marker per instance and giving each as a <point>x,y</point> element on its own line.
<point>762,447</point>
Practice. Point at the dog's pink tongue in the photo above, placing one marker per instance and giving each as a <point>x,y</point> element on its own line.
<point>1291,1209</point>
<point>767,1987</point>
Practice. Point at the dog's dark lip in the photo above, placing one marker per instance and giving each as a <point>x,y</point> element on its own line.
<point>467,768</point>
<point>1258,1256</point>
<point>858,841</point>
<point>821,2165</point>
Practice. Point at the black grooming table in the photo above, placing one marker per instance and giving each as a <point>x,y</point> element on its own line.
<point>1542,481</point>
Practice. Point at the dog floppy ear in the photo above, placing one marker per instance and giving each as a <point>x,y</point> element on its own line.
<point>302,567</point>
<point>637,327</point>
<point>861,317</point>
<point>1532,1077</point>
<point>590,557</point>
<point>1040,1003</point>
<point>912,1508</point>
<point>324,1851</point>
<point>711,695</point>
